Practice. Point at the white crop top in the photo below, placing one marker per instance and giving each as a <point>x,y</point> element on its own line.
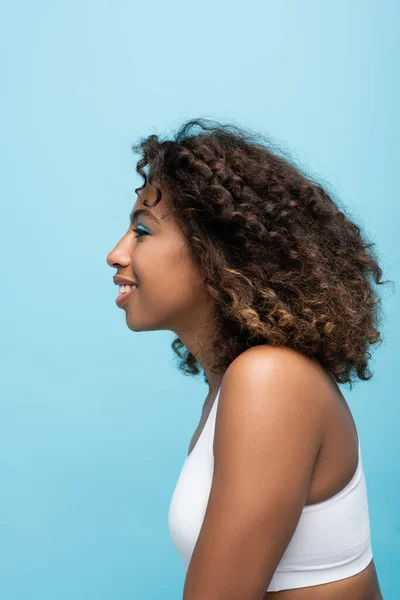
<point>332,538</point>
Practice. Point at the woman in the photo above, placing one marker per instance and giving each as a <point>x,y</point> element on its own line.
<point>267,284</point>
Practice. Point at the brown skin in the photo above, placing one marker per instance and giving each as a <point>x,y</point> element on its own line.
<point>170,297</point>
<point>170,293</point>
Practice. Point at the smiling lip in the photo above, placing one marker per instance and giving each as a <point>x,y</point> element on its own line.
<point>118,280</point>
<point>122,298</point>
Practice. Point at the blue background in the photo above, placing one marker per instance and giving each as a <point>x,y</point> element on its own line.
<point>95,420</point>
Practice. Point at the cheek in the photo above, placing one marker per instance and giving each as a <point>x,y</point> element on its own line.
<point>168,269</point>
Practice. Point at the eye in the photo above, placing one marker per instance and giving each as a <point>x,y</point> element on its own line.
<point>139,232</point>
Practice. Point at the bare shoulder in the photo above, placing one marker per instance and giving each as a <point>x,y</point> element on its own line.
<point>280,358</point>
<point>280,389</point>
<point>269,372</point>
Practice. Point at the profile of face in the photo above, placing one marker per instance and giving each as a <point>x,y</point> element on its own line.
<point>155,254</point>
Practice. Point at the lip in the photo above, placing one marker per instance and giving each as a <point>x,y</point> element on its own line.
<point>119,280</point>
<point>123,298</point>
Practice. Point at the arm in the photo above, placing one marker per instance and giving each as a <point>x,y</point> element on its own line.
<point>267,437</point>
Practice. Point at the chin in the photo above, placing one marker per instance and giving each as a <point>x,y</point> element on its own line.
<point>140,327</point>
<point>135,327</point>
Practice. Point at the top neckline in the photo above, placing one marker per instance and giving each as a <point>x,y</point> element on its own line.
<point>204,426</point>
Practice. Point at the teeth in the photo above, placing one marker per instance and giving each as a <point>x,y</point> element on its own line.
<point>123,289</point>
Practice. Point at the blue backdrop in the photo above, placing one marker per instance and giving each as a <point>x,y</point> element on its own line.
<point>95,420</point>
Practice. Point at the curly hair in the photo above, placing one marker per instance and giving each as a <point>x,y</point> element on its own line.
<point>281,262</point>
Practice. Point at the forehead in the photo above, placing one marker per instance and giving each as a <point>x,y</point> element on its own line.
<point>158,213</point>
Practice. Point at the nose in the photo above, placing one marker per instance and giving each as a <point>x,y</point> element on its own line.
<point>119,255</point>
<point>110,261</point>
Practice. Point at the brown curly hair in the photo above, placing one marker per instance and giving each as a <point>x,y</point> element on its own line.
<point>281,262</point>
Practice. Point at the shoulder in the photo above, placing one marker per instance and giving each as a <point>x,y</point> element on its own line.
<point>274,374</point>
<point>268,389</point>
<point>280,358</point>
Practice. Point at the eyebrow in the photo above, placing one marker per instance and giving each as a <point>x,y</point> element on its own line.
<point>143,211</point>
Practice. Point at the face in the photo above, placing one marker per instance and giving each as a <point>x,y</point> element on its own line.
<point>156,256</point>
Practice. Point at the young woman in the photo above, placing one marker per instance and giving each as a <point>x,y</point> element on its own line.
<point>269,287</point>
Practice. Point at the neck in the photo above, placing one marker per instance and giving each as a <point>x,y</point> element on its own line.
<point>214,383</point>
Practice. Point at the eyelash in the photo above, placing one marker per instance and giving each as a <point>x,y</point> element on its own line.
<point>139,232</point>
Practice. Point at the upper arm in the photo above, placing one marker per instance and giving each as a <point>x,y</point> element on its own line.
<point>267,437</point>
